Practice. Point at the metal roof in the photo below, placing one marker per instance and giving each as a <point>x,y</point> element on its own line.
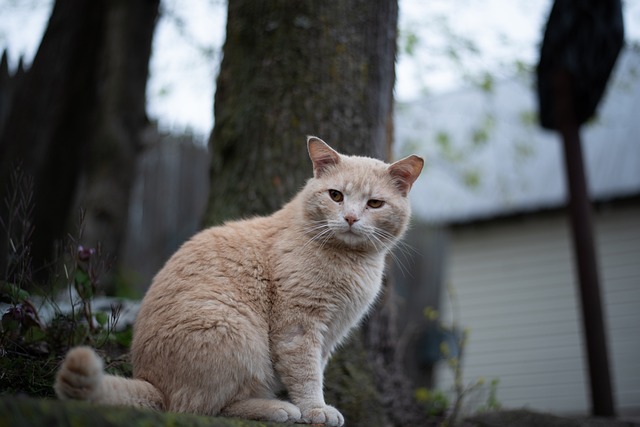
<point>486,156</point>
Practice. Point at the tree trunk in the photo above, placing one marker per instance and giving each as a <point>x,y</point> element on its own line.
<point>78,115</point>
<point>292,69</point>
<point>121,124</point>
<point>50,117</point>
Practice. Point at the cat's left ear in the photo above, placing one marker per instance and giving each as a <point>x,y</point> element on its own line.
<point>322,156</point>
<point>405,172</point>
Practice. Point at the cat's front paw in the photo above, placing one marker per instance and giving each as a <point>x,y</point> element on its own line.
<point>285,412</point>
<point>327,415</point>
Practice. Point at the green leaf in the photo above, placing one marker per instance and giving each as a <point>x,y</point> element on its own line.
<point>410,42</point>
<point>102,318</point>
<point>523,150</point>
<point>35,334</point>
<point>422,394</point>
<point>471,178</point>
<point>124,337</point>
<point>430,313</point>
<point>83,284</point>
<point>480,136</point>
<point>487,83</point>
<point>12,294</point>
<point>443,140</point>
<point>81,277</point>
<point>452,54</point>
<point>528,118</point>
<point>10,323</point>
<point>522,68</point>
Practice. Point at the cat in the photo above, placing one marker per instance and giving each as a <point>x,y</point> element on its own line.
<point>244,309</point>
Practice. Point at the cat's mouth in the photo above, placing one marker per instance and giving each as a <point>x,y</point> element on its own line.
<point>349,231</point>
<point>351,236</point>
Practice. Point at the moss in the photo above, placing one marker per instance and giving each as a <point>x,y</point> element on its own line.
<point>23,411</point>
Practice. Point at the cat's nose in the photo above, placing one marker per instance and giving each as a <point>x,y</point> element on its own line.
<point>351,219</point>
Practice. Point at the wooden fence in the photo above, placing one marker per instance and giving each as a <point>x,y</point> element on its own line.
<point>167,202</point>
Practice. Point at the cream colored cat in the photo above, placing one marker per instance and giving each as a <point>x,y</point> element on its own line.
<point>243,309</point>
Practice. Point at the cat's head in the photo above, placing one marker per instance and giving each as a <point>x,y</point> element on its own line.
<point>357,202</point>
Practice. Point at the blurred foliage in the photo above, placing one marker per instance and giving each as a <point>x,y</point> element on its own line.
<point>435,402</point>
<point>529,118</point>
<point>409,41</point>
<point>486,82</point>
<point>471,178</point>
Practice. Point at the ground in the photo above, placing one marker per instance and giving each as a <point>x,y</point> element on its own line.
<point>26,411</point>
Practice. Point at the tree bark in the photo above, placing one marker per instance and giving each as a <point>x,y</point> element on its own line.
<point>78,116</point>
<point>121,124</point>
<point>292,69</point>
<point>49,117</point>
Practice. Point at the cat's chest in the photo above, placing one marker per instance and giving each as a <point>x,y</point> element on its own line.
<point>358,282</point>
<point>325,293</point>
<point>334,284</point>
<point>349,290</point>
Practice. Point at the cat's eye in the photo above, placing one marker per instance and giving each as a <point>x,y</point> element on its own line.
<point>375,204</point>
<point>336,196</point>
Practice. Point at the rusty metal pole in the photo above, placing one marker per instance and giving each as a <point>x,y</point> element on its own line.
<point>602,402</point>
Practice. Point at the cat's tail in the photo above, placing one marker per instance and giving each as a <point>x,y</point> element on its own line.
<point>81,377</point>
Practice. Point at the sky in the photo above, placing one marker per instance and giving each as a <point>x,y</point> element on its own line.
<point>443,44</point>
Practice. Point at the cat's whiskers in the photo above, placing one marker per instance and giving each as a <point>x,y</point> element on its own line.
<point>315,227</point>
<point>322,237</point>
<point>325,236</point>
<point>389,242</point>
<point>386,239</point>
<point>406,249</point>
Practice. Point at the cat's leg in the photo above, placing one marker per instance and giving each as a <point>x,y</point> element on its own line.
<point>219,358</point>
<point>299,363</point>
<point>264,409</point>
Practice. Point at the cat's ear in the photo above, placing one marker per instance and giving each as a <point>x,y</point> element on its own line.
<point>405,172</point>
<point>322,156</point>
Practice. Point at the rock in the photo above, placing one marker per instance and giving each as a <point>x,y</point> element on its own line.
<point>47,310</point>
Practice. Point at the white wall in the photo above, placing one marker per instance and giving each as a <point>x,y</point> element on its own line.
<point>519,298</point>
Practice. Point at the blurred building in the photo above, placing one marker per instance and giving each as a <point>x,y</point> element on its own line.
<point>490,220</point>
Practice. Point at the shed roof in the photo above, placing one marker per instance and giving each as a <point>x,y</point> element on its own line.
<point>486,156</point>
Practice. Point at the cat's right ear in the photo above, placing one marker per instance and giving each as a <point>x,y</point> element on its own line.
<point>405,172</point>
<point>322,156</point>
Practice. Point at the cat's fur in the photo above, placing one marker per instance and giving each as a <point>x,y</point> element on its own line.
<point>248,307</point>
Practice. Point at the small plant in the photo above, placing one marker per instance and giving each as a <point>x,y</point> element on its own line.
<point>435,402</point>
<point>17,229</point>
<point>20,322</point>
<point>30,348</point>
<point>83,269</point>
<point>492,403</point>
<point>20,319</point>
<point>452,351</point>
